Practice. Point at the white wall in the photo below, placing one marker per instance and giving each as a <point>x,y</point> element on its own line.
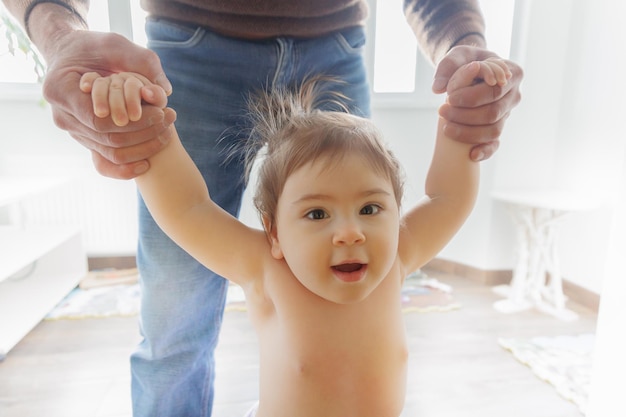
<point>32,146</point>
<point>563,133</point>
<point>606,398</point>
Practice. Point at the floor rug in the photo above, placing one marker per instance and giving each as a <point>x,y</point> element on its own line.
<point>108,277</point>
<point>101,301</point>
<point>422,294</point>
<point>101,293</point>
<point>562,361</point>
<point>116,293</point>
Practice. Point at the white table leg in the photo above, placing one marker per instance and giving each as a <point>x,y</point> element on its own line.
<point>537,258</point>
<point>515,294</point>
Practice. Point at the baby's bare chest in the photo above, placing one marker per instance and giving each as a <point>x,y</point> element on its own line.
<point>316,334</point>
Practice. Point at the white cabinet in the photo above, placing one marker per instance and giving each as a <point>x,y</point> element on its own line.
<point>38,265</point>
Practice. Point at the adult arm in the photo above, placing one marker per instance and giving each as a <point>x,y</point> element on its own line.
<point>451,34</point>
<point>61,34</point>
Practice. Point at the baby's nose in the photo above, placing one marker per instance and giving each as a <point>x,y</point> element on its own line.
<point>348,234</point>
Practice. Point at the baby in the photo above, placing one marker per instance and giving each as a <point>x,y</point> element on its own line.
<point>323,279</point>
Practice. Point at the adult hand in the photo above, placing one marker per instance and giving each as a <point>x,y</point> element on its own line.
<point>476,114</point>
<point>117,151</point>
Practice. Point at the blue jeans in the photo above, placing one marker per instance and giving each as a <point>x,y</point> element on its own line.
<point>183,302</point>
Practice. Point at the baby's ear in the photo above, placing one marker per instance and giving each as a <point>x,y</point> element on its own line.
<point>272,237</point>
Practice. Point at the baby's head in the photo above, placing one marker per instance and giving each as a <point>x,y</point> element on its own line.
<point>295,133</point>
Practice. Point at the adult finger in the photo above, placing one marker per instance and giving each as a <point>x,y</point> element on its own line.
<point>123,148</point>
<point>477,116</point>
<point>453,60</point>
<point>123,172</point>
<point>484,151</point>
<point>476,134</point>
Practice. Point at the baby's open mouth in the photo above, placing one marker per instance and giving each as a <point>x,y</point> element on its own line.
<point>350,267</point>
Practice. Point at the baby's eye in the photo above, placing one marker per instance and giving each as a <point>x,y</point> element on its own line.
<point>370,209</point>
<point>317,214</point>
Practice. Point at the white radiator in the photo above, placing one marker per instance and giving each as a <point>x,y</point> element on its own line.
<point>103,209</point>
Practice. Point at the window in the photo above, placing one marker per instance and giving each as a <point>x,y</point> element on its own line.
<point>395,49</point>
<point>400,75</point>
<point>17,68</point>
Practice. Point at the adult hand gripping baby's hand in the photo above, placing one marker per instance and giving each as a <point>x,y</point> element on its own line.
<point>476,113</point>
<point>117,151</point>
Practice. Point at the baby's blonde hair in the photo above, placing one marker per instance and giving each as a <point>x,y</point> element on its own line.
<point>294,132</point>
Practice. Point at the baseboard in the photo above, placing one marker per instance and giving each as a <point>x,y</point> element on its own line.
<point>573,292</point>
<point>481,276</point>
<point>111,262</point>
<point>490,278</point>
<point>581,295</point>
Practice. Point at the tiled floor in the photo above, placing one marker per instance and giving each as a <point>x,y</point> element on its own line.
<point>79,368</point>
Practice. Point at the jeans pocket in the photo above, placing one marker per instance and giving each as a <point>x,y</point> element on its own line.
<point>351,40</point>
<point>164,33</point>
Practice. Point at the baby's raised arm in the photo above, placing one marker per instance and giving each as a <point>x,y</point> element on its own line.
<point>452,180</point>
<point>173,188</point>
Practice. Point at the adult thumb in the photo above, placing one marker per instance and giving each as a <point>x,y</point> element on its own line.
<point>446,67</point>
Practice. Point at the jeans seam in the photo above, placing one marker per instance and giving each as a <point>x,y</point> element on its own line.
<point>281,47</point>
<point>194,40</point>
<point>345,45</point>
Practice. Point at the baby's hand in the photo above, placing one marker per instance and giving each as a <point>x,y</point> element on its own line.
<point>120,95</point>
<point>492,71</point>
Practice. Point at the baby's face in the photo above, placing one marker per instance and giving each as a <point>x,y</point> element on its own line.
<point>337,228</point>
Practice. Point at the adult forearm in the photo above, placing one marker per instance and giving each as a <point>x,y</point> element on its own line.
<point>46,21</point>
<point>440,25</point>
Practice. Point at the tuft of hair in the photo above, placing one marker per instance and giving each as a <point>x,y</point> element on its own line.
<point>295,127</point>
